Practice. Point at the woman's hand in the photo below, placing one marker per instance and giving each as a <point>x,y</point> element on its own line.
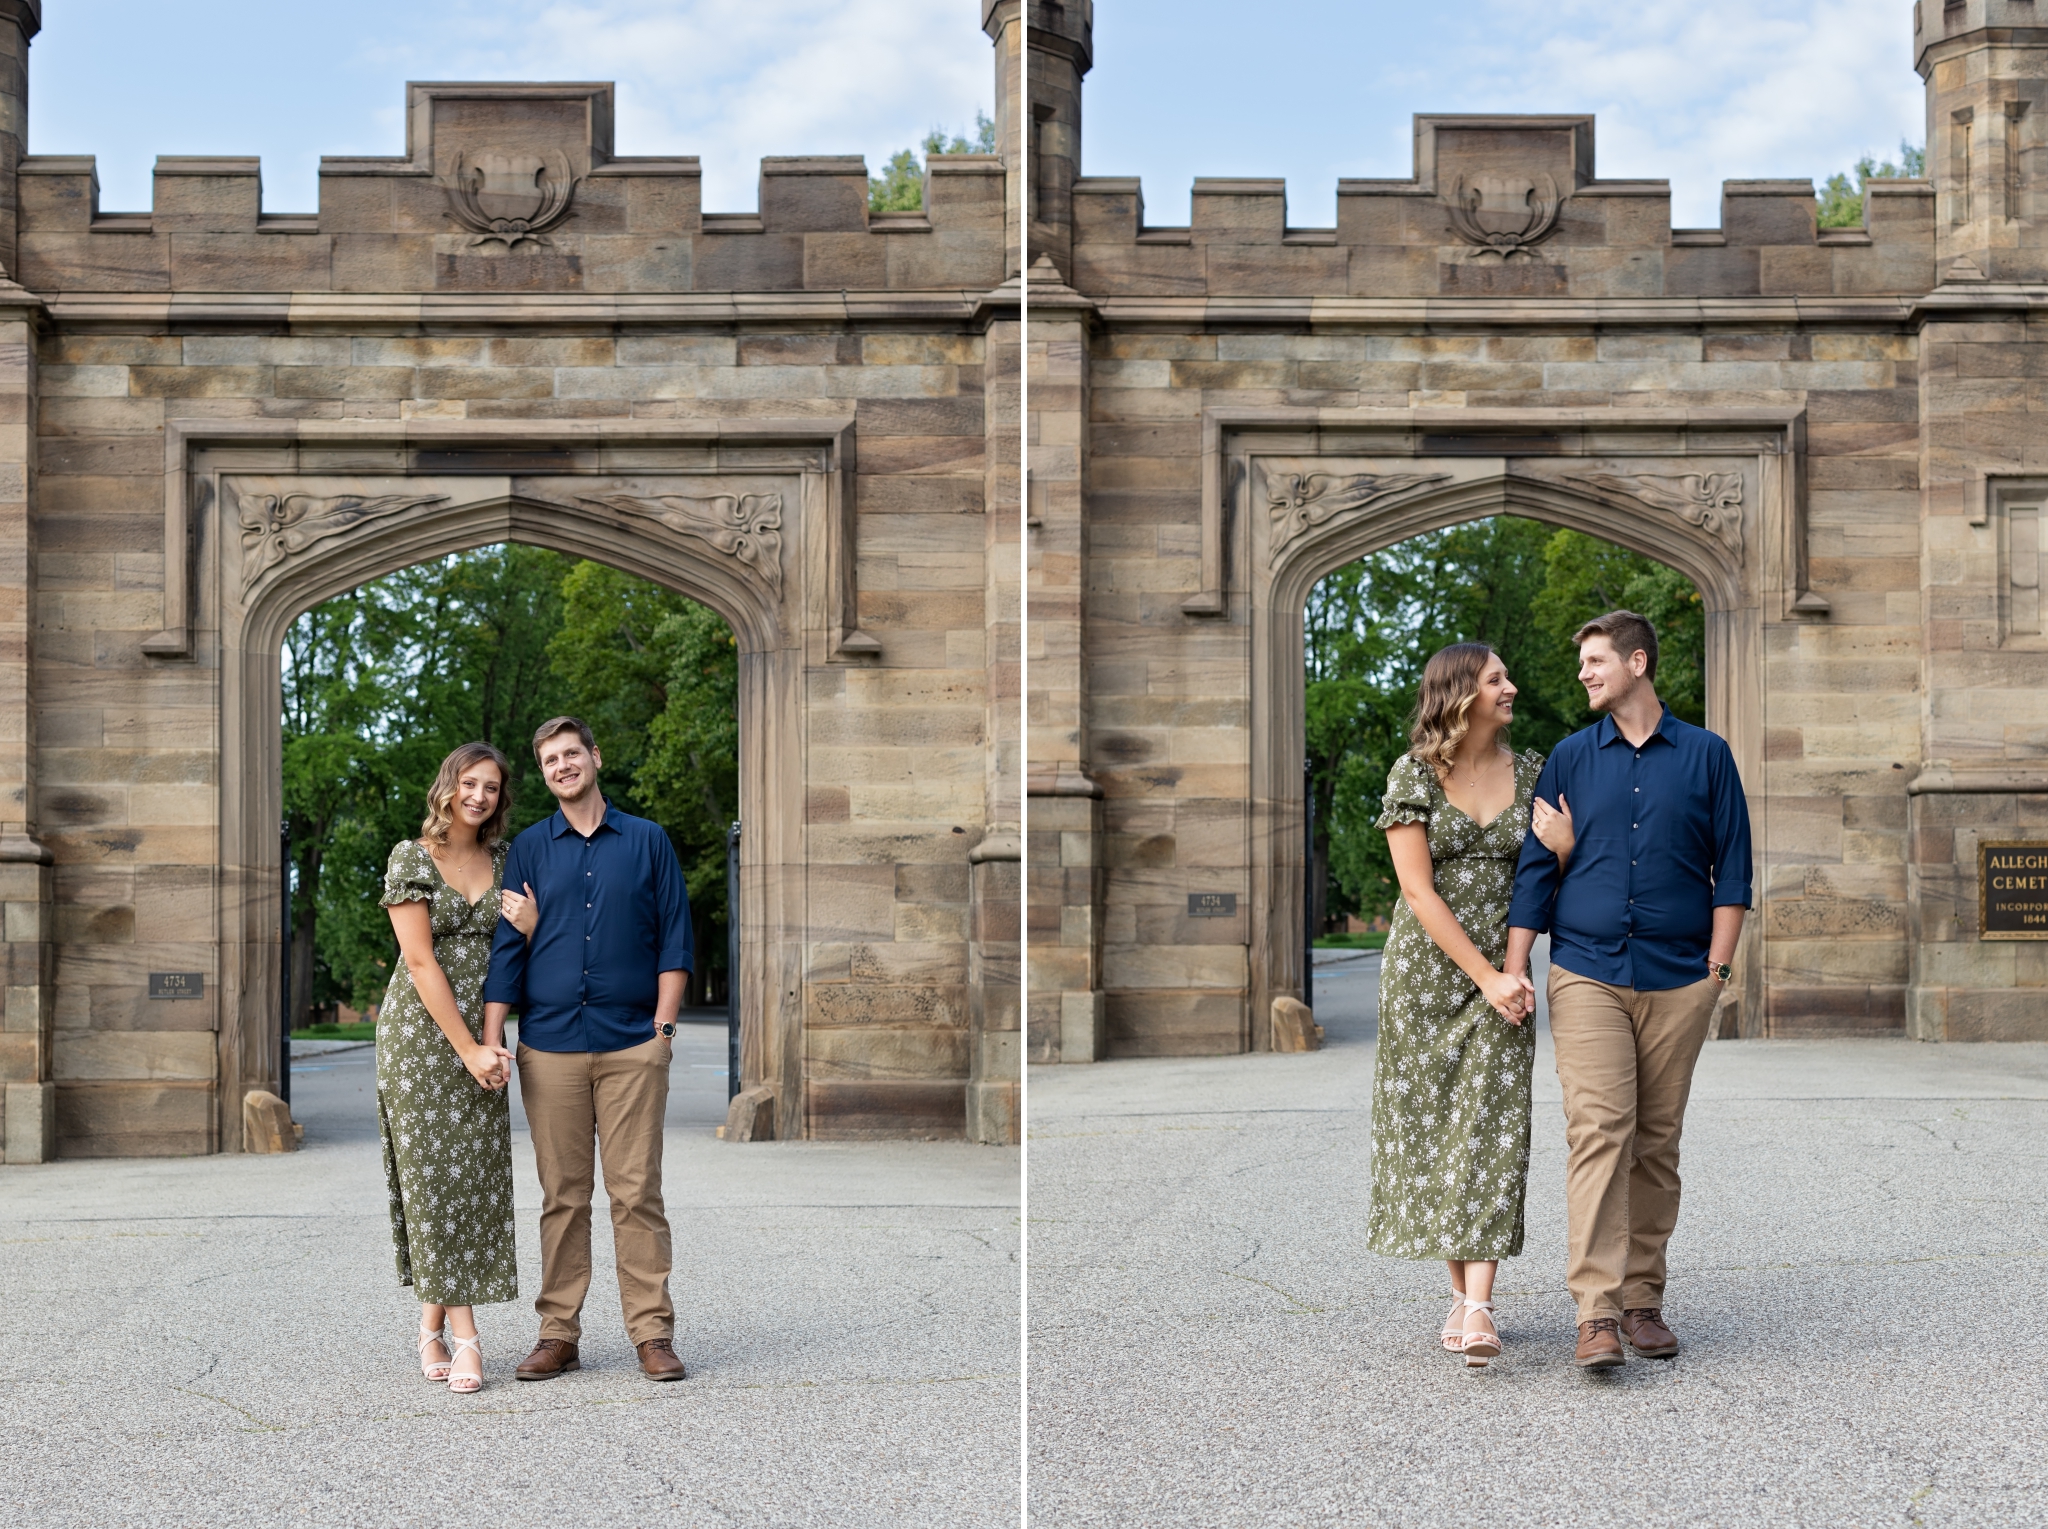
<point>1512,997</point>
<point>491,1066</point>
<point>522,913</point>
<point>1553,827</point>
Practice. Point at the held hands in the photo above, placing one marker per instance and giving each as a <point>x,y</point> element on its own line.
<point>1512,996</point>
<point>1553,826</point>
<point>522,913</point>
<point>491,1066</point>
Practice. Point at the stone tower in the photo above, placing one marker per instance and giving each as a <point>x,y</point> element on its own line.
<point>1062,44</point>
<point>1987,135</point>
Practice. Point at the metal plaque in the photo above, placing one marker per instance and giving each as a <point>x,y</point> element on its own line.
<point>177,984</point>
<point>1212,905</point>
<point>2012,891</point>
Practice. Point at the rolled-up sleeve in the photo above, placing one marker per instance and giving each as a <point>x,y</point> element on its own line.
<point>1732,867</point>
<point>672,910</point>
<point>506,980</point>
<point>1536,873</point>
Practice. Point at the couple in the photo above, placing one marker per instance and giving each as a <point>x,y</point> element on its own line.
<point>592,953</point>
<point>1635,858</point>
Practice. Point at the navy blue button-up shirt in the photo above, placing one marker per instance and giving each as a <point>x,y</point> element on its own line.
<point>613,917</point>
<point>1662,837</point>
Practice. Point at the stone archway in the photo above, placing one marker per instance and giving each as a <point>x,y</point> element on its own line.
<point>1295,498</point>
<point>749,526</point>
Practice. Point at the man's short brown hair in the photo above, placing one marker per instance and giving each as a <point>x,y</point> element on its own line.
<point>575,725</point>
<point>1629,633</point>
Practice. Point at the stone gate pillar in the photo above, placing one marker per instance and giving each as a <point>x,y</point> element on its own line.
<point>1067,1021</point>
<point>28,1133</point>
<point>1983,772</point>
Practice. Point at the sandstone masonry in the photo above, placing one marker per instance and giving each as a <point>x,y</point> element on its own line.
<point>212,416</point>
<point>1830,431</point>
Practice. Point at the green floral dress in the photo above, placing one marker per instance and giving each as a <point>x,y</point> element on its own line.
<point>447,1138</point>
<point>1450,1093</point>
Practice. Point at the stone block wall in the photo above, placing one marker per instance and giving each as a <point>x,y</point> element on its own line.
<point>619,324</point>
<point>1890,697</point>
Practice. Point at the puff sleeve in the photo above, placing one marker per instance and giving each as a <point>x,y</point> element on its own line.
<point>1411,793</point>
<point>408,876</point>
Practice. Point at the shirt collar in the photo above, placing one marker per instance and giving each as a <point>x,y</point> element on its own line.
<point>1609,733</point>
<point>559,823</point>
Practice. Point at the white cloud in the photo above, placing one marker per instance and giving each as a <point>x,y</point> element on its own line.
<point>1738,90</point>
<point>734,81</point>
<point>1690,92</point>
<point>728,80</point>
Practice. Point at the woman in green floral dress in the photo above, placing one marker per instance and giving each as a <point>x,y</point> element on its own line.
<point>445,1117</point>
<point>1450,1107</point>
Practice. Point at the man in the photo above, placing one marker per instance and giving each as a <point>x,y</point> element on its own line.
<point>1643,920</point>
<point>597,978</point>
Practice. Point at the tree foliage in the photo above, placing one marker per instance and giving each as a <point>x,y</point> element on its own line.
<point>1841,199</point>
<point>382,682</point>
<point>900,186</point>
<point>1519,586</point>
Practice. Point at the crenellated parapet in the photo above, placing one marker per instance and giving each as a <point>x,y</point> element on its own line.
<point>1501,207</point>
<point>510,188</point>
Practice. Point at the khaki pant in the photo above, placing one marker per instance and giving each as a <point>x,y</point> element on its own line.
<point>619,1097</point>
<point>1625,1059</point>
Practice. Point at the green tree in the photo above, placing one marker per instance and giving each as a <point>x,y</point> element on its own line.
<point>1841,199</point>
<point>1519,586</point>
<point>657,677</point>
<point>900,186</point>
<point>382,682</point>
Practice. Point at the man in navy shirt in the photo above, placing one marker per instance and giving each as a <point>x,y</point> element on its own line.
<point>593,951</point>
<point>1643,918</point>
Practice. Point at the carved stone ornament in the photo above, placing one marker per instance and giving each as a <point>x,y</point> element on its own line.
<point>510,199</point>
<point>1711,501</point>
<point>1504,215</point>
<point>747,527</point>
<point>1298,501</point>
<point>278,526</point>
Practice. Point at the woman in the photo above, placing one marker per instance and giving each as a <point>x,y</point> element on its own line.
<point>446,1119</point>
<point>1450,1109</point>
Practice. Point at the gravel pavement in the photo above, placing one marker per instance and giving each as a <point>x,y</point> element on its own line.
<point>1855,1277</point>
<point>220,1341</point>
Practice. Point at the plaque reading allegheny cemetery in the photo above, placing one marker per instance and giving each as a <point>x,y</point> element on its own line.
<point>1212,905</point>
<point>177,984</point>
<point>2012,891</point>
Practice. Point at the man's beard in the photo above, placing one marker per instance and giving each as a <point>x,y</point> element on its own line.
<point>583,788</point>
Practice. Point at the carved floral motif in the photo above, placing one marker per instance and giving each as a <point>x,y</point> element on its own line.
<point>1711,501</point>
<point>748,527</point>
<point>278,526</point>
<point>510,199</point>
<point>1298,501</point>
<point>1502,215</point>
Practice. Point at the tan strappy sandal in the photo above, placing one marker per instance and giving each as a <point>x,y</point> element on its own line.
<point>1479,1349</point>
<point>435,1370</point>
<point>466,1385</point>
<point>1454,1324</point>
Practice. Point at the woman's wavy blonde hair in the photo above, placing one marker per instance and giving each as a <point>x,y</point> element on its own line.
<point>1443,711</point>
<point>441,795</point>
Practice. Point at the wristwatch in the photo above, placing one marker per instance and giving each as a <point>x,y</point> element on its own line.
<point>666,1029</point>
<point>1722,970</point>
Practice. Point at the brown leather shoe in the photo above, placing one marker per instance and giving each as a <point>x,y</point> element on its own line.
<point>1644,1328</point>
<point>550,1357</point>
<point>1600,1344</point>
<point>658,1360</point>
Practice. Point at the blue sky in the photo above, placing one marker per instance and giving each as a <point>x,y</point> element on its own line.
<point>730,80</point>
<point>1690,91</point>
<point>1309,89</point>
